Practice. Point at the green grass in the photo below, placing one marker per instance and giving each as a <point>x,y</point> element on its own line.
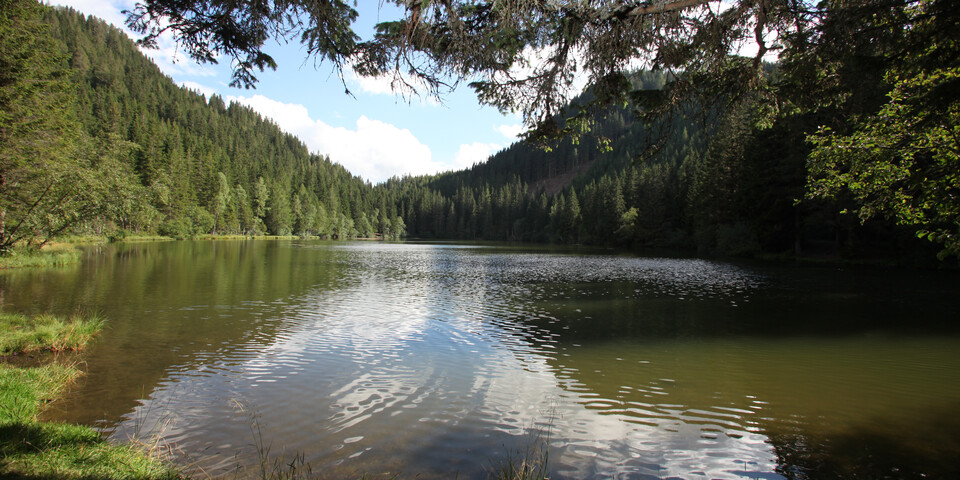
<point>54,255</point>
<point>30,449</point>
<point>22,334</point>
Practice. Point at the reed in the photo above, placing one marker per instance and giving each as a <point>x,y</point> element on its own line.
<point>23,334</point>
<point>528,463</point>
<point>54,255</point>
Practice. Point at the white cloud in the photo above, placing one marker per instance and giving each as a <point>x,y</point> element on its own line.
<point>476,152</point>
<point>511,131</point>
<point>397,85</point>
<point>196,87</point>
<point>374,85</point>
<point>374,150</point>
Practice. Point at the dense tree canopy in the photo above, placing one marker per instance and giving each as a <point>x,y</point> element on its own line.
<point>45,183</point>
<point>95,139</point>
<point>858,115</point>
<point>836,62</point>
<point>518,55</point>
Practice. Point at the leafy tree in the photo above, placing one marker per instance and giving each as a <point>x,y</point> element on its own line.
<point>397,228</point>
<point>903,163</point>
<point>238,30</point>
<point>244,212</point>
<point>628,226</point>
<point>261,195</point>
<point>45,180</point>
<point>279,218</point>
<point>321,221</point>
<point>837,61</point>
<point>437,44</point>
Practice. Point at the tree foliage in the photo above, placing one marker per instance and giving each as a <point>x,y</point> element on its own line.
<point>837,60</point>
<point>44,175</point>
<point>95,139</point>
<point>525,56</point>
<point>903,163</point>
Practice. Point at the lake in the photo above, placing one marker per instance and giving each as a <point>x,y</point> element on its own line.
<point>443,360</point>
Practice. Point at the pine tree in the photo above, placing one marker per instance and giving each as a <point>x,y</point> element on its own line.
<point>45,183</point>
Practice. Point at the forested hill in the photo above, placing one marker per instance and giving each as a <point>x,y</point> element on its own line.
<point>123,149</point>
<point>189,165</point>
<point>715,184</point>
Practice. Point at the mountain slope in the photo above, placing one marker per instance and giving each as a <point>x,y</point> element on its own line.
<point>196,165</point>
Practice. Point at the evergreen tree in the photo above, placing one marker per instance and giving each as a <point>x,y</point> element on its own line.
<point>46,184</point>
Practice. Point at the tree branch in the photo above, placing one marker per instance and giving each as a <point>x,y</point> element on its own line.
<point>645,9</point>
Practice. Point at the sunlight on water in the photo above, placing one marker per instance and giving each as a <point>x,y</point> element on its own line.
<point>431,360</point>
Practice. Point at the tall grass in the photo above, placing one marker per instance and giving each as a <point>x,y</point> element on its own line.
<point>31,449</point>
<point>22,334</point>
<point>23,390</point>
<point>53,255</point>
<point>529,463</point>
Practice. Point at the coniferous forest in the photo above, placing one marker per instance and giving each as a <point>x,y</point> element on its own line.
<point>151,157</point>
<point>166,160</point>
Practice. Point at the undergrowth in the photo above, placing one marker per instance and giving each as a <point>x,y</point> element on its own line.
<point>53,255</point>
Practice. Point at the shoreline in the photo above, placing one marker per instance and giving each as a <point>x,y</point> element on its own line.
<point>37,375</point>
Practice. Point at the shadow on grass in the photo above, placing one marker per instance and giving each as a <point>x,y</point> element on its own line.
<point>62,451</point>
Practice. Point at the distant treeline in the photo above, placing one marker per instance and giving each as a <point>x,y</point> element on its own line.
<point>704,179</point>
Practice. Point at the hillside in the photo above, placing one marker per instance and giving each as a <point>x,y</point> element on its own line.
<point>195,165</point>
<point>711,183</point>
<point>137,153</point>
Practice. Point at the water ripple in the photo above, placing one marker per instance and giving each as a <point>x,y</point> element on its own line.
<point>440,358</point>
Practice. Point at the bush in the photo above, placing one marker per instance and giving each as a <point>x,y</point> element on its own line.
<point>201,220</point>
<point>178,228</point>
<point>196,221</point>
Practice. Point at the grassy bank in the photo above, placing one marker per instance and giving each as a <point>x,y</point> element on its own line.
<point>31,449</point>
<point>53,255</point>
<point>22,334</point>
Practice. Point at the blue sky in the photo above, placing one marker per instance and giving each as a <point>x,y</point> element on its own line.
<point>375,134</point>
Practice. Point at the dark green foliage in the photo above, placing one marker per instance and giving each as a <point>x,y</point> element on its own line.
<point>167,160</point>
<point>724,174</point>
<point>901,160</point>
<point>707,180</point>
<point>47,183</point>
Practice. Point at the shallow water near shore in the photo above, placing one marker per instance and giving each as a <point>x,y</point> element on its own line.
<point>432,360</point>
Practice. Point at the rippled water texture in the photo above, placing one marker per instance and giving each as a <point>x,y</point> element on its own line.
<point>436,360</point>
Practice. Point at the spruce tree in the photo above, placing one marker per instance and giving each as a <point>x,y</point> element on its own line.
<point>43,177</point>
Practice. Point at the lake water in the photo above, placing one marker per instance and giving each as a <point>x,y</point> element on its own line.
<point>435,361</point>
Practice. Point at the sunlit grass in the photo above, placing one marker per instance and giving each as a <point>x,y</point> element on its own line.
<point>22,334</point>
<point>24,390</point>
<point>30,449</point>
<point>33,449</point>
<point>54,255</point>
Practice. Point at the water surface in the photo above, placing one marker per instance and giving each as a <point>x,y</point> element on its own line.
<point>435,360</point>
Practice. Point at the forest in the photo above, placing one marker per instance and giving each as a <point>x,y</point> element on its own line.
<point>698,181</point>
<point>143,155</point>
<point>135,153</point>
